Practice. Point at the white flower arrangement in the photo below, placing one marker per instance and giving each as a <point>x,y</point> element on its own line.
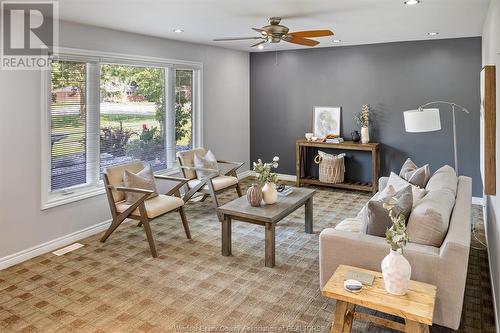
<point>396,235</point>
<point>263,170</point>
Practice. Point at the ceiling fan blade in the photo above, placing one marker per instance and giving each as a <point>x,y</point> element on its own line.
<point>235,38</point>
<point>262,31</point>
<point>300,40</point>
<point>312,33</point>
<point>259,43</point>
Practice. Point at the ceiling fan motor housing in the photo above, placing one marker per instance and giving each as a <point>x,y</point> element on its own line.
<point>274,31</point>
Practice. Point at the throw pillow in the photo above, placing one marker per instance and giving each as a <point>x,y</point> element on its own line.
<point>397,184</point>
<point>206,162</point>
<point>418,176</point>
<point>379,219</point>
<point>428,222</point>
<point>144,179</point>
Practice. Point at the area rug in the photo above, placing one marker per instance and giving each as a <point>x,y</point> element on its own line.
<point>118,287</point>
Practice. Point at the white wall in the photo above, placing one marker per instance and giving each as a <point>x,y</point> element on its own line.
<point>226,130</point>
<point>491,56</point>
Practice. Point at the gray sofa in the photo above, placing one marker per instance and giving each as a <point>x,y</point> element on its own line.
<point>444,266</point>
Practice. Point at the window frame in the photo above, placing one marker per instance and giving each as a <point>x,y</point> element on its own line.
<point>95,187</point>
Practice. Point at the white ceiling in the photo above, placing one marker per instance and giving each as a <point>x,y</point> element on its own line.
<point>353,21</point>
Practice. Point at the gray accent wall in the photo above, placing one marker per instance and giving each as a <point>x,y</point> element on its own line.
<point>392,77</point>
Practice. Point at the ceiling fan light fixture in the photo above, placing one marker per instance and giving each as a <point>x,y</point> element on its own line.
<point>336,41</point>
<point>411,2</point>
<point>178,31</point>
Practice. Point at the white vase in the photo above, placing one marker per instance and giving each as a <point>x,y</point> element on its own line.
<point>365,134</point>
<point>396,271</point>
<point>269,193</point>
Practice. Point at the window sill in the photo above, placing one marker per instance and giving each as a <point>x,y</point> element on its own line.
<point>59,198</point>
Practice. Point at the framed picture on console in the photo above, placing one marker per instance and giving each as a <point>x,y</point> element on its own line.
<point>326,121</point>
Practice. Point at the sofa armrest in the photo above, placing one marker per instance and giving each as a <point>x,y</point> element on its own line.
<point>382,183</point>
<point>338,247</point>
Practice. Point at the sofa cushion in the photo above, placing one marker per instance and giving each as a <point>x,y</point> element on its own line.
<point>444,178</point>
<point>144,180</point>
<point>415,175</point>
<point>378,218</point>
<point>350,224</point>
<point>429,220</point>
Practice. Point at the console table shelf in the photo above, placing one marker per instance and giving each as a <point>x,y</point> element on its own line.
<point>372,148</point>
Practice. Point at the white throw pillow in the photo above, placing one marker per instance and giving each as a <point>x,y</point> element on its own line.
<point>144,179</point>
<point>207,162</point>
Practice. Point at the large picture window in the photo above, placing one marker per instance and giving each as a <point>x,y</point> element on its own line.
<point>105,113</point>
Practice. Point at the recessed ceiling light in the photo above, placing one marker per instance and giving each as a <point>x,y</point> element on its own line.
<point>178,31</point>
<point>260,47</point>
<point>411,2</point>
<point>433,33</point>
<point>336,41</point>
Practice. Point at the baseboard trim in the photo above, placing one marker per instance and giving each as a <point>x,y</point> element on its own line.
<point>478,201</point>
<point>52,245</point>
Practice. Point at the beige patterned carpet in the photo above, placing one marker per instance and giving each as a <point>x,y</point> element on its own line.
<point>118,287</point>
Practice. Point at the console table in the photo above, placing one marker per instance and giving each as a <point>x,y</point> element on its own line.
<point>302,145</point>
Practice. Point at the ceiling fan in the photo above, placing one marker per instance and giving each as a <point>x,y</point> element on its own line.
<point>275,32</point>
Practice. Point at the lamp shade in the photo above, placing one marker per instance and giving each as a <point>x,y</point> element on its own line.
<point>422,120</point>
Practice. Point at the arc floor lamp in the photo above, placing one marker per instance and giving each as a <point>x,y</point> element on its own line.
<point>428,120</point>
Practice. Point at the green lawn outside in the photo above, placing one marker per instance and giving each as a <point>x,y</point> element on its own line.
<point>71,126</point>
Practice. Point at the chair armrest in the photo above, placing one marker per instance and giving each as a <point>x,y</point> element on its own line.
<point>231,162</point>
<point>175,190</point>
<point>192,168</point>
<point>235,166</point>
<point>131,189</point>
<point>172,178</point>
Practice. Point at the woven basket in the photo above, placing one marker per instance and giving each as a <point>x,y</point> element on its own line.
<point>331,167</point>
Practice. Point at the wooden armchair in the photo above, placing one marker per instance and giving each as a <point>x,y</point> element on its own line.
<point>142,210</point>
<point>211,185</point>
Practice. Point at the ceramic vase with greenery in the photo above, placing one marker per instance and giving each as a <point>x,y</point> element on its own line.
<point>363,120</point>
<point>268,178</point>
<point>396,270</point>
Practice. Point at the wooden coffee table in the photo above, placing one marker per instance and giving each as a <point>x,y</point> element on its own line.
<point>416,307</point>
<point>267,216</point>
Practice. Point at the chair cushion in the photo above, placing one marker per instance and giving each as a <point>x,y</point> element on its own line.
<point>186,158</point>
<point>207,162</point>
<point>156,206</point>
<point>415,175</point>
<point>428,222</point>
<point>115,176</point>
<point>444,178</point>
<point>220,182</point>
<point>143,179</point>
